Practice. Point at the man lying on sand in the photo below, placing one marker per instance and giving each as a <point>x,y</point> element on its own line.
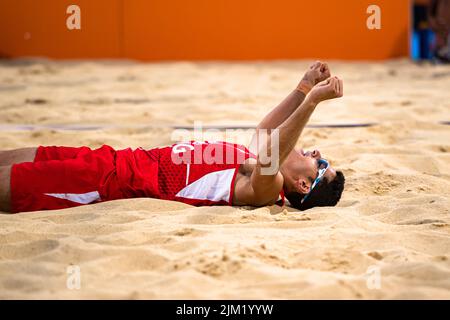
<point>197,173</point>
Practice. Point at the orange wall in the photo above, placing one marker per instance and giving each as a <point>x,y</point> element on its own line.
<point>38,28</point>
<point>204,29</point>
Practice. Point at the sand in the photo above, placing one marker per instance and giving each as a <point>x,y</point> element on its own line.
<point>389,237</point>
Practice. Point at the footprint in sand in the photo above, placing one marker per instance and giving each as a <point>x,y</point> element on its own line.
<point>189,232</point>
<point>380,183</point>
<point>440,148</point>
<point>36,101</point>
<point>218,266</point>
<point>376,255</point>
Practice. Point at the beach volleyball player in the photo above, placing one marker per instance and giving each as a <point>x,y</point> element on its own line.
<point>196,172</point>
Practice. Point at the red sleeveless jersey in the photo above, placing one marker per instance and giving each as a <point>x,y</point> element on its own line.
<point>196,173</point>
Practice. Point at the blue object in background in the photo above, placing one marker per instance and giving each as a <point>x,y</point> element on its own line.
<point>415,45</point>
<point>422,38</point>
<point>422,44</point>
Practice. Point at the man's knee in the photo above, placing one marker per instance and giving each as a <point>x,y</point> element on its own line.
<point>5,190</point>
<point>9,157</point>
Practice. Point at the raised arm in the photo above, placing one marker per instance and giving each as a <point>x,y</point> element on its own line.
<point>291,129</point>
<point>266,182</point>
<point>316,73</point>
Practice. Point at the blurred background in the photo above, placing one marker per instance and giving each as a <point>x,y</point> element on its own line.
<point>126,72</point>
<point>430,38</point>
<point>224,29</point>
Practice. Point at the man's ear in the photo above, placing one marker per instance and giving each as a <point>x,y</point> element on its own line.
<point>302,185</point>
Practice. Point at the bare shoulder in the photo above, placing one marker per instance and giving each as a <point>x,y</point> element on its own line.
<point>244,193</point>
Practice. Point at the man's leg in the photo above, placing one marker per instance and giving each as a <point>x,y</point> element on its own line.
<point>5,191</point>
<point>57,184</point>
<point>9,157</point>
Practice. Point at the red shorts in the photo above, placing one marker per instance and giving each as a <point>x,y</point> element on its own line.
<point>63,177</point>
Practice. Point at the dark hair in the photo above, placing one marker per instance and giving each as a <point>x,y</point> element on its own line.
<point>324,194</point>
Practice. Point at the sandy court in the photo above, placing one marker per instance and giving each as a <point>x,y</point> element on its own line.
<point>393,219</point>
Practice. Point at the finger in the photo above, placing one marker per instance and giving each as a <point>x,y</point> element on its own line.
<point>336,84</point>
<point>325,70</point>
<point>340,87</point>
<point>324,82</point>
<point>316,65</point>
<point>331,81</point>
